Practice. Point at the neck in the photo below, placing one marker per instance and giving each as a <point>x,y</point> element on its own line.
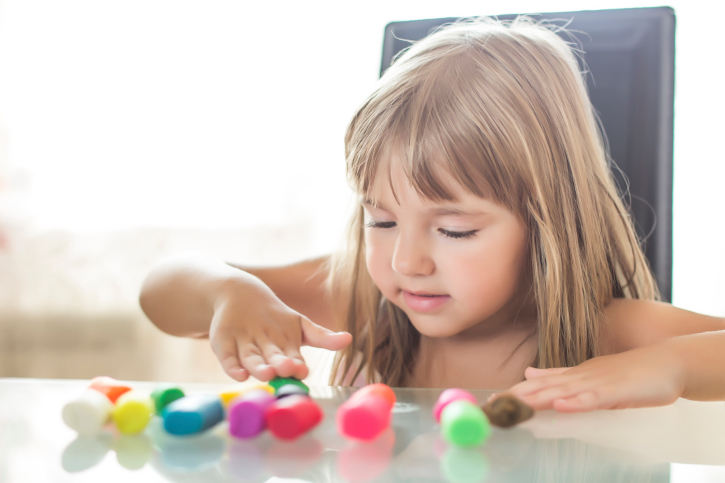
<point>492,359</point>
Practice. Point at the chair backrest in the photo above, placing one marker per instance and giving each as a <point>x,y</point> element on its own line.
<point>630,57</point>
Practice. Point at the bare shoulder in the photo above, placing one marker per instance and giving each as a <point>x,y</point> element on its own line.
<point>300,286</point>
<point>629,323</point>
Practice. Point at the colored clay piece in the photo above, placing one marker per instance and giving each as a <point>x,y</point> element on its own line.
<point>290,390</point>
<point>165,394</point>
<point>290,417</point>
<point>363,418</point>
<point>507,410</point>
<point>237,390</point>
<point>367,413</point>
<point>463,423</point>
<point>247,412</point>
<point>447,397</point>
<point>278,382</point>
<point>112,388</point>
<point>133,411</point>
<point>193,414</point>
<point>88,413</point>
<point>378,389</point>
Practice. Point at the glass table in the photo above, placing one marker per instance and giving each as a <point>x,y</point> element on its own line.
<point>683,442</point>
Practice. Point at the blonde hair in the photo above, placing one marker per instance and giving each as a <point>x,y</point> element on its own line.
<point>501,106</point>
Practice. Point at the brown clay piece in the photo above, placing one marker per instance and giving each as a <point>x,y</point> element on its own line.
<point>507,410</point>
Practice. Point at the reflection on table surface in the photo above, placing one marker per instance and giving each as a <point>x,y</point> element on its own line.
<point>603,446</point>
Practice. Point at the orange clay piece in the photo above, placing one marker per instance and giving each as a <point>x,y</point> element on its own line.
<point>379,390</point>
<point>112,388</point>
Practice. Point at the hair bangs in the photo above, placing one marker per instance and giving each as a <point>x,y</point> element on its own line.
<point>432,132</point>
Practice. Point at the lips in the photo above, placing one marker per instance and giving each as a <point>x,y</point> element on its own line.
<point>424,301</point>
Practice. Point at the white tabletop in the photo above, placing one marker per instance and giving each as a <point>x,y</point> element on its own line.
<point>684,442</point>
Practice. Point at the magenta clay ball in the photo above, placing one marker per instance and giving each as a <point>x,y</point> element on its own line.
<point>447,397</point>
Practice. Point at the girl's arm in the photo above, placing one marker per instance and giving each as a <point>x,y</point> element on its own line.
<point>639,323</point>
<point>301,286</point>
<point>703,359</point>
<point>256,319</point>
<point>660,353</point>
<point>178,294</point>
<point>697,341</point>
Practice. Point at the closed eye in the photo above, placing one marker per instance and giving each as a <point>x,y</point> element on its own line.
<point>442,231</point>
<point>380,224</point>
<point>457,234</point>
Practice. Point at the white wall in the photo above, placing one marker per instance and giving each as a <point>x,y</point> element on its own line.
<point>132,129</point>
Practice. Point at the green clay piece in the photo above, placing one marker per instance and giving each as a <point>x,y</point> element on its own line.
<point>278,382</point>
<point>464,424</point>
<point>164,395</point>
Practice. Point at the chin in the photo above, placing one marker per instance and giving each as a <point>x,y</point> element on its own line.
<point>434,331</point>
<point>428,325</point>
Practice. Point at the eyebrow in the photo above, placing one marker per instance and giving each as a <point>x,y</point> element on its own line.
<point>443,211</point>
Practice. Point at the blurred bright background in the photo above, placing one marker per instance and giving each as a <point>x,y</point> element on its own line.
<point>132,130</point>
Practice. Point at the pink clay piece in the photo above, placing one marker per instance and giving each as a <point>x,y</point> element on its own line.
<point>448,396</point>
<point>364,418</point>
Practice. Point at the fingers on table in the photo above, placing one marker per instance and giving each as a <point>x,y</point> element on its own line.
<point>253,361</point>
<point>544,399</point>
<point>228,356</point>
<point>540,393</point>
<point>261,359</point>
<point>533,372</point>
<point>585,401</point>
<point>284,357</point>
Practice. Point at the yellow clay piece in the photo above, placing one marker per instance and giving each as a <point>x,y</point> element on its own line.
<point>133,412</point>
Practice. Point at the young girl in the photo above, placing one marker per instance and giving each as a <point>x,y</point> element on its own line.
<point>490,248</point>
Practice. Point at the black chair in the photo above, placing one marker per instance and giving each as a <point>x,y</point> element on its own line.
<point>630,57</point>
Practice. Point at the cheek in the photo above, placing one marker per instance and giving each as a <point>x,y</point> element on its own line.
<point>377,262</point>
<point>494,273</point>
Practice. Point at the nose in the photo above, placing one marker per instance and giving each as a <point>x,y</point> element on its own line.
<point>411,256</point>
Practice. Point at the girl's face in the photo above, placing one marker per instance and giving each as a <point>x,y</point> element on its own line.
<point>452,267</point>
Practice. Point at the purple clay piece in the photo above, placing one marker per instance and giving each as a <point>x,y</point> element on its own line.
<point>246,413</point>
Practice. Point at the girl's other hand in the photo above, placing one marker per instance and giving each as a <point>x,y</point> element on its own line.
<point>253,333</point>
<point>643,377</point>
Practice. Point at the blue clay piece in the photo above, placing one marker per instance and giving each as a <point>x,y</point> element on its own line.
<point>193,414</point>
